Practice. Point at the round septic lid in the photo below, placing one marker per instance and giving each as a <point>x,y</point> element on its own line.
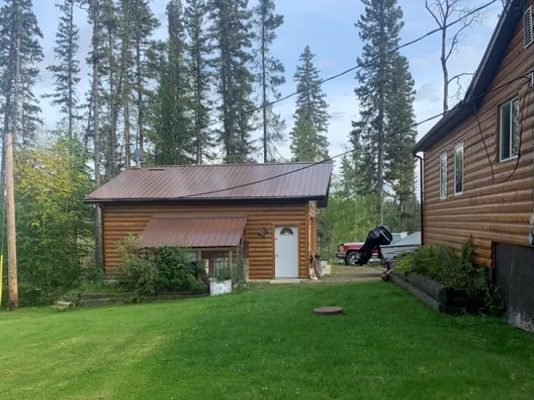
<point>328,310</point>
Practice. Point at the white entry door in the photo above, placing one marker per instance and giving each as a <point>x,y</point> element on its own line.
<point>286,250</point>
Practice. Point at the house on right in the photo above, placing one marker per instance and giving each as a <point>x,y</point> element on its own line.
<point>478,165</point>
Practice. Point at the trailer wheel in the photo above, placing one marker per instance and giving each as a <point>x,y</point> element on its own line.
<point>352,258</point>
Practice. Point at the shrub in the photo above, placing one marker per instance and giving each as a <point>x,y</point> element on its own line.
<point>223,274</point>
<point>175,271</point>
<point>158,271</point>
<point>238,274</point>
<point>454,269</point>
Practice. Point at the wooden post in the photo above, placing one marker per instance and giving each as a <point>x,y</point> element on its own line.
<point>230,261</point>
<point>11,228</point>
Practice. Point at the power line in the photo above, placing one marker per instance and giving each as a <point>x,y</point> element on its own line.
<point>360,65</point>
<point>464,103</point>
<point>326,160</point>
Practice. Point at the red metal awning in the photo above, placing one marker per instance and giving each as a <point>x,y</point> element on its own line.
<point>165,230</point>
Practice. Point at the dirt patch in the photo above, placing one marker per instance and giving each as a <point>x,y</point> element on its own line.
<point>343,273</point>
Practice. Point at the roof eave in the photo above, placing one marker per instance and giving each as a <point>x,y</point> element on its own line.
<point>449,120</point>
<point>317,198</point>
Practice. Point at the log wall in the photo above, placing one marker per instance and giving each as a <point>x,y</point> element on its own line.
<point>119,220</point>
<point>498,199</point>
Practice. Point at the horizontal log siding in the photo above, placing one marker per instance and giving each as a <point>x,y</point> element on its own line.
<point>490,209</point>
<point>123,219</point>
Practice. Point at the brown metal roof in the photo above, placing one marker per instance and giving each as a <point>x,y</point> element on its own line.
<point>165,230</point>
<point>218,182</point>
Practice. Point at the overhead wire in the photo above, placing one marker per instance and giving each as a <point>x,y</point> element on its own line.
<point>361,64</point>
<point>331,158</point>
<point>529,77</point>
<point>465,103</point>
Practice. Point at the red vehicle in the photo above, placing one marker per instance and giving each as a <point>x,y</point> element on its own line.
<point>348,252</point>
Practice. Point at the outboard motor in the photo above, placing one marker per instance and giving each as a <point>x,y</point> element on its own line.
<point>380,236</point>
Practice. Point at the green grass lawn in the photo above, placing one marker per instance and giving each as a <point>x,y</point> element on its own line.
<point>265,343</point>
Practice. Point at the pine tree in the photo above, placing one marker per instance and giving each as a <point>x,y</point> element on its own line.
<point>309,142</point>
<point>144,24</point>
<point>66,71</point>
<point>385,94</point>
<point>352,182</point>
<point>20,53</point>
<point>174,138</point>
<point>232,38</point>
<point>96,17</point>
<point>270,75</point>
<point>126,61</point>
<point>201,78</point>
<point>110,85</point>
<point>400,165</point>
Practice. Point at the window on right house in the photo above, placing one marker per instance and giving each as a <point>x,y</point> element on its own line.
<point>459,169</point>
<point>509,130</point>
<point>443,176</point>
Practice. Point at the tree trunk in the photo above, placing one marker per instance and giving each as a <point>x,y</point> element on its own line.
<point>381,127</point>
<point>70,83</point>
<point>140,114</point>
<point>125,63</point>
<point>444,69</point>
<point>113,108</point>
<point>264,89</point>
<point>96,128</point>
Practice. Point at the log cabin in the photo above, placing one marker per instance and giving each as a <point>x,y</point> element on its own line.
<point>478,165</point>
<point>261,214</point>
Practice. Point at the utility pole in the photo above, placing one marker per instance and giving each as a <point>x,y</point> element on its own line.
<point>11,228</point>
<point>10,192</point>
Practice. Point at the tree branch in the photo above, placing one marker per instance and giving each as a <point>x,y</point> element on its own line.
<point>460,75</point>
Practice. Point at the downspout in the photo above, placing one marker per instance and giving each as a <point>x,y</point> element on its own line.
<point>421,194</point>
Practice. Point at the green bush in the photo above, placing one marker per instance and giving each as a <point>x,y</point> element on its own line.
<point>175,271</point>
<point>223,274</point>
<point>454,269</point>
<point>238,274</point>
<point>160,270</point>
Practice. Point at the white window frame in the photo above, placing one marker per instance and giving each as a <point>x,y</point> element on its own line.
<point>528,35</point>
<point>443,177</point>
<point>459,147</point>
<point>510,130</point>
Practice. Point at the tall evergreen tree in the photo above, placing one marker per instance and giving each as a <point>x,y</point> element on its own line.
<point>385,93</point>
<point>232,38</point>
<point>352,183</point>
<point>20,53</point>
<point>400,164</point>
<point>201,78</point>
<point>66,71</point>
<point>126,61</point>
<point>308,139</point>
<point>174,142</point>
<point>96,17</point>
<point>270,75</point>
<point>144,23</point>
<point>110,85</point>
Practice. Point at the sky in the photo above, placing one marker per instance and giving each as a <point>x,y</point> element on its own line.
<point>327,26</point>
